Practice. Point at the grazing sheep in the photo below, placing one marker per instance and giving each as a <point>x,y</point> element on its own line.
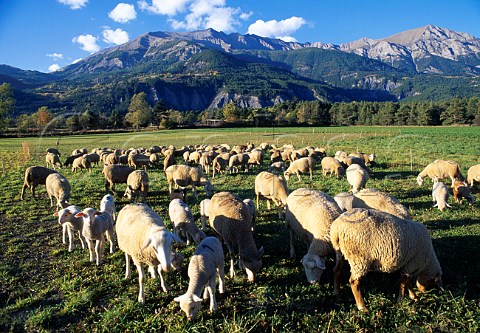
<point>107,204</point>
<point>388,244</point>
<point>309,215</point>
<point>357,177</point>
<point>340,155</point>
<point>271,187</point>
<point>154,160</point>
<point>473,175</point>
<point>204,212</point>
<point>349,160</point>
<point>115,174</point>
<point>440,195</point>
<point>178,193</point>
<point>302,165</point>
<point>193,157</point>
<point>169,160</point>
<point>275,156</point>
<point>220,163</point>
<point>53,160</point>
<point>34,176</point>
<point>81,151</point>
<point>238,160</point>
<point>255,157</point>
<point>461,190</point>
<point>138,161</point>
<point>277,167</point>
<point>206,160</point>
<point>81,163</point>
<point>137,186</point>
<point>332,165</point>
<point>253,212</point>
<point>94,158</point>
<point>58,187</point>
<point>440,169</point>
<point>95,225</point>
<point>110,158</point>
<point>184,175</point>
<point>70,224</point>
<point>374,199</point>
<point>182,219</point>
<point>142,236</point>
<point>53,151</point>
<point>230,218</point>
<point>207,262</point>
<point>69,160</point>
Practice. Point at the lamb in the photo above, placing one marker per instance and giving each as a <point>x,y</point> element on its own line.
<point>53,160</point>
<point>440,169</point>
<point>473,175</point>
<point>107,204</point>
<point>184,175</point>
<point>271,187</point>
<point>182,219</point>
<point>309,215</point>
<point>137,186</point>
<point>115,174</point>
<point>95,225</point>
<point>70,224</point>
<point>230,218</point>
<point>357,177</point>
<point>302,165</point>
<point>142,236</point>
<point>332,165</point>
<point>81,163</point>
<point>388,244</point>
<point>440,195</point>
<point>204,212</point>
<point>58,187</point>
<point>34,176</point>
<point>207,262</point>
<point>461,190</point>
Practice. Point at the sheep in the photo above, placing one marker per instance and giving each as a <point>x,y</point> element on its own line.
<point>253,212</point>
<point>332,165</point>
<point>138,161</point>
<point>143,237</point>
<point>154,159</point>
<point>271,187</point>
<point>357,177</point>
<point>277,167</point>
<point>230,218</point>
<point>58,187</point>
<point>275,156</point>
<point>81,163</point>
<point>440,169</point>
<point>94,158</point>
<point>388,244</point>
<point>182,219</point>
<point>115,174</point>
<point>70,224</point>
<point>255,157</point>
<point>53,151</point>
<point>69,160</point>
<point>461,190</point>
<point>34,176</point>
<point>184,175</point>
<point>110,158</point>
<point>53,160</point>
<point>309,215</point>
<point>207,262</point>
<point>220,163</point>
<point>137,186</point>
<point>107,204</point>
<point>206,160</point>
<point>473,175</point>
<point>204,212</point>
<point>238,160</point>
<point>95,225</point>
<point>440,195</point>
<point>193,157</point>
<point>344,200</point>
<point>302,165</point>
<point>169,160</point>
<point>81,151</point>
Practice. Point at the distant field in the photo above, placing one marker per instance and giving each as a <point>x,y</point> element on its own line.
<point>43,287</point>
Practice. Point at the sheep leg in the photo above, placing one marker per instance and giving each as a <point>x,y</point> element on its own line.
<point>231,252</point>
<point>90,248</point>
<point>153,272</point>
<point>299,178</point>
<point>82,239</point>
<point>128,271</point>
<point>292,249</point>
<point>337,271</point>
<point>99,250</point>
<point>194,190</point>
<point>162,280</point>
<point>406,282</point>
<point>51,199</point>
<point>258,201</point>
<point>64,234</point>
<point>70,239</point>
<point>221,278</point>
<point>211,290</point>
<point>355,285</point>
<point>110,238</point>
<point>311,174</point>
<point>141,278</point>
<point>268,204</point>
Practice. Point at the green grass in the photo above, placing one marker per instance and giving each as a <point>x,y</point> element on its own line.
<point>44,288</point>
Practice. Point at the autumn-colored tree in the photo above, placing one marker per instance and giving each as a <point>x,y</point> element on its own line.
<point>43,117</point>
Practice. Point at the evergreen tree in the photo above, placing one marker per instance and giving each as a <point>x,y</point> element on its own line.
<point>7,105</point>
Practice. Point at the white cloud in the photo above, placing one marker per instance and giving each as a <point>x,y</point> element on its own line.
<point>117,36</point>
<point>164,7</point>
<point>55,56</point>
<point>53,68</point>
<point>88,43</point>
<point>123,13</point>
<point>277,29</point>
<point>246,16</point>
<point>74,4</point>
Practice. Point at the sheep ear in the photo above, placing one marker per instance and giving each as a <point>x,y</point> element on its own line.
<point>146,244</point>
<point>319,262</point>
<point>80,214</point>
<point>196,298</point>
<point>179,298</point>
<point>55,214</point>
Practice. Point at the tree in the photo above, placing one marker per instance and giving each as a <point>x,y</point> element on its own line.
<point>139,112</point>
<point>231,112</point>
<point>159,112</point>
<point>7,104</point>
<point>43,117</point>
<point>24,122</point>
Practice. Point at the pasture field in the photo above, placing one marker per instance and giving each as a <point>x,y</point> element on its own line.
<point>44,288</point>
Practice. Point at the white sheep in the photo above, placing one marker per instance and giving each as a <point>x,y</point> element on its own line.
<point>473,175</point>
<point>107,204</point>
<point>206,263</point>
<point>271,187</point>
<point>34,176</point>
<point>184,176</point>
<point>253,212</point>
<point>70,224</point>
<point>387,244</point>
<point>182,219</point>
<point>277,167</point>
<point>95,225</point>
<point>309,215</point>
<point>137,186</point>
<point>231,219</point>
<point>440,195</point>
<point>440,169</point>
<point>220,163</point>
<point>302,165</point>
<point>357,177</point>
<point>142,236</point>
<point>81,163</point>
<point>373,199</point>
<point>53,160</point>
<point>58,187</point>
<point>115,174</point>
<point>204,212</point>
<point>332,165</point>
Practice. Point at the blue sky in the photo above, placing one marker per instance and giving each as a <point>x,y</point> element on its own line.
<point>46,35</point>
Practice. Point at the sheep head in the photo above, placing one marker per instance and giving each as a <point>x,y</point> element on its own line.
<point>314,267</point>
<point>253,265</point>
<point>423,283</point>
<point>88,215</point>
<point>161,243</point>
<point>190,304</point>
<point>419,180</point>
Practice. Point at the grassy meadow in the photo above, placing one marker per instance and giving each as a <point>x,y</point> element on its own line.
<point>44,288</point>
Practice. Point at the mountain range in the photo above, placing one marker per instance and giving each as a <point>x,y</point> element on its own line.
<point>208,69</point>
